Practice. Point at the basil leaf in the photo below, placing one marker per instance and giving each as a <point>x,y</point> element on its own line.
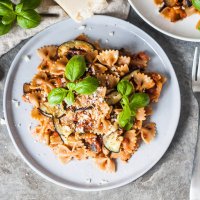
<point>8,19</point>
<point>57,95</point>
<point>6,7</point>
<point>129,125</point>
<point>124,101</point>
<point>4,28</point>
<point>30,4</point>
<point>69,99</point>
<point>139,100</point>
<point>71,86</point>
<point>28,19</point>
<point>133,112</point>
<point>196,4</point>
<point>87,85</point>
<point>124,116</point>
<point>125,87</point>
<point>75,68</point>
<point>19,7</point>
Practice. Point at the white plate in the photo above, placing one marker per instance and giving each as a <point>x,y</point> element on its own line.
<point>183,30</point>
<point>76,174</point>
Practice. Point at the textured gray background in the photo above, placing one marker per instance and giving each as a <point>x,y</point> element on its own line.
<point>169,179</point>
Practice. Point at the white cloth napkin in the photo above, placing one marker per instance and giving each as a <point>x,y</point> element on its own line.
<point>117,8</point>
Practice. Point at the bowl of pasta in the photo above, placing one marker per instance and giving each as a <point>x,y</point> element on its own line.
<point>171,17</point>
<point>91,109</point>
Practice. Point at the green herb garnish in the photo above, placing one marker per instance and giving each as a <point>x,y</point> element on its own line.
<point>87,85</point>
<point>130,104</point>
<point>23,12</point>
<point>75,69</point>
<point>139,100</point>
<point>125,87</point>
<point>69,99</point>
<point>196,4</point>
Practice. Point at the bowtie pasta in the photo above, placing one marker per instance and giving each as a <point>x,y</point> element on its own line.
<point>106,124</point>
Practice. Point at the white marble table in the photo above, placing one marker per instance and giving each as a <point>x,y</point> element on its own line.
<point>169,179</point>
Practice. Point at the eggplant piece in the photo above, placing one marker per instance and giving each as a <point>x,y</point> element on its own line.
<point>45,113</point>
<point>63,131</point>
<point>50,111</point>
<point>113,98</point>
<point>112,142</point>
<point>72,46</point>
<point>162,8</point>
<point>188,3</point>
<point>83,109</point>
<point>130,75</point>
<point>170,3</point>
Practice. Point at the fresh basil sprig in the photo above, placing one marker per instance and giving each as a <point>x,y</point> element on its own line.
<point>69,99</point>
<point>75,68</point>
<point>125,87</point>
<point>130,104</point>
<point>57,95</point>
<point>124,116</point>
<point>196,4</point>
<point>87,85</point>
<point>24,12</point>
<point>139,100</point>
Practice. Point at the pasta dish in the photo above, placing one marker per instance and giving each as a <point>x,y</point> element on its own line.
<point>93,103</point>
<point>176,10</point>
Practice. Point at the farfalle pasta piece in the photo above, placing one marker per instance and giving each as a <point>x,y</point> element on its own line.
<point>44,131</point>
<point>137,124</point>
<point>130,141</point>
<point>35,114</point>
<point>44,66</point>
<point>123,60</point>
<point>79,153</point>
<point>143,82</point>
<point>91,56</point>
<point>141,114</point>
<point>108,57</point>
<point>154,93</point>
<point>38,80</point>
<point>122,70</point>
<point>48,52</point>
<point>98,68</point>
<point>148,132</point>
<point>46,87</point>
<point>34,98</point>
<point>57,82</point>
<point>74,142</point>
<point>105,163</point>
<point>64,153</point>
<point>123,155</point>
<point>55,139</point>
<point>59,66</point>
<point>108,80</point>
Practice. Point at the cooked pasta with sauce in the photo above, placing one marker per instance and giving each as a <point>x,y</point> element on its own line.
<point>93,103</point>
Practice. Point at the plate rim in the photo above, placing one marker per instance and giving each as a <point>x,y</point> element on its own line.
<point>79,188</point>
<point>187,39</point>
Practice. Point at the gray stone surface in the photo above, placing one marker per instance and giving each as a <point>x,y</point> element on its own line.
<point>169,179</point>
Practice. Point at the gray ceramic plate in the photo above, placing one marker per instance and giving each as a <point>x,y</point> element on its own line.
<point>83,175</point>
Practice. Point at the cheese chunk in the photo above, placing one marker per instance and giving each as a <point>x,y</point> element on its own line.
<point>82,9</point>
